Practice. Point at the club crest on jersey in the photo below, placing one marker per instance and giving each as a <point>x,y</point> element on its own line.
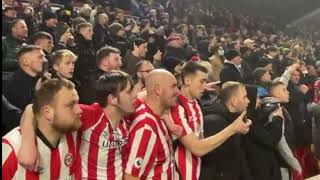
<point>68,159</point>
<point>138,162</point>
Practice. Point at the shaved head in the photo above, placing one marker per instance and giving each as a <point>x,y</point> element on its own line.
<point>161,84</point>
<point>158,77</point>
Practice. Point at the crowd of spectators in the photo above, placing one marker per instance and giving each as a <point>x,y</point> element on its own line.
<point>41,41</point>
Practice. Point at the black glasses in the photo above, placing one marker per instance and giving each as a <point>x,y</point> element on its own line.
<point>147,71</point>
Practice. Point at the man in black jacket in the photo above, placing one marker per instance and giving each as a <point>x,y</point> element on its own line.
<point>108,58</point>
<point>174,50</point>
<point>302,125</point>
<point>262,140</point>
<point>287,161</point>
<point>50,21</point>
<point>228,161</point>
<point>19,88</point>
<point>232,70</point>
<point>45,41</point>
<point>10,116</point>
<point>12,43</point>
<point>101,32</point>
<point>297,109</point>
<point>85,63</point>
<point>137,54</point>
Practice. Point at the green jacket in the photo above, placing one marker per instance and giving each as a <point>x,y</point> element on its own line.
<point>10,48</point>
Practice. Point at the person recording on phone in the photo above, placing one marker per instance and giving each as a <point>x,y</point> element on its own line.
<point>278,94</point>
<point>263,137</point>
<point>228,161</point>
<point>45,41</point>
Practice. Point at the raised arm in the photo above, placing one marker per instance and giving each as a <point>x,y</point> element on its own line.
<point>202,147</point>
<point>28,155</point>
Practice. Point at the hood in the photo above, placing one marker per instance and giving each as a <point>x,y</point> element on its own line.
<point>210,104</point>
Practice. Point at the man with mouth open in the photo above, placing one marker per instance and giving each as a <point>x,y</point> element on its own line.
<point>187,115</point>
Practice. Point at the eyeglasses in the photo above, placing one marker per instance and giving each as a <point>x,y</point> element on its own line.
<point>147,71</point>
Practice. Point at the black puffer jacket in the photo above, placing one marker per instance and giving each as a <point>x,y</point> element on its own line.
<point>86,62</point>
<point>120,43</point>
<point>227,162</point>
<point>262,140</point>
<point>302,123</point>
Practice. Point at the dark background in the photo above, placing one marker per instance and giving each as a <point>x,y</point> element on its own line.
<point>283,10</point>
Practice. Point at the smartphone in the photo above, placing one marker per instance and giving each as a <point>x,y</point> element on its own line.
<point>244,119</point>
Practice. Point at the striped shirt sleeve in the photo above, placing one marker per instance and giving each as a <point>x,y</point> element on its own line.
<point>9,161</point>
<point>178,115</point>
<point>142,145</point>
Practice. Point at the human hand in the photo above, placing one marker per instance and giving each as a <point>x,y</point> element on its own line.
<point>241,125</point>
<point>158,56</point>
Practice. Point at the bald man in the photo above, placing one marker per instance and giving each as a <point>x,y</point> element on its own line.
<point>150,144</point>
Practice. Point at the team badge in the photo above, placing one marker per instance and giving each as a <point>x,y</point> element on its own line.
<point>138,162</point>
<point>68,159</point>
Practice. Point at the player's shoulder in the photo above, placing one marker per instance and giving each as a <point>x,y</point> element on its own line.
<point>13,137</point>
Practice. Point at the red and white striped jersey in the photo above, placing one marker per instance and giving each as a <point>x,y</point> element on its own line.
<point>150,147</point>
<point>187,114</point>
<point>55,163</point>
<point>102,145</point>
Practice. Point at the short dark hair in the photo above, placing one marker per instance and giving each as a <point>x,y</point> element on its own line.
<point>41,35</point>
<point>140,63</point>
<point>138,42</point>
<point>104,52</point>
<point>9,8</point>
<point>191,68</point>
<point>228,90</point>
<point>272,49</point>
<point>26,49</point>
<point>46,94</point>
<point>83,25</point>
<point>112,82</point>
<point>14,22</point>
<point>76,21</point>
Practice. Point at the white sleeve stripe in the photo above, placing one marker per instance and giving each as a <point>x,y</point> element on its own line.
<point>188,164</point>
<point>184,120</point>
<point>6,150</point>
<point>148,153</point>
<point>134,147</point>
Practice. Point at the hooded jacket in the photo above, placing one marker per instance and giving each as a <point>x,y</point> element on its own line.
<point>227,162</point>
<point>262,140</point>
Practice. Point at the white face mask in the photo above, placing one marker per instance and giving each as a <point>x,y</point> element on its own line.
<point>221,52</point>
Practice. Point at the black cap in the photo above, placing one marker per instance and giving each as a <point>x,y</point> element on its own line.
<point>263,62</point>
<point>231,54</point>
<point>48,15</point>
<point>137,42</point>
